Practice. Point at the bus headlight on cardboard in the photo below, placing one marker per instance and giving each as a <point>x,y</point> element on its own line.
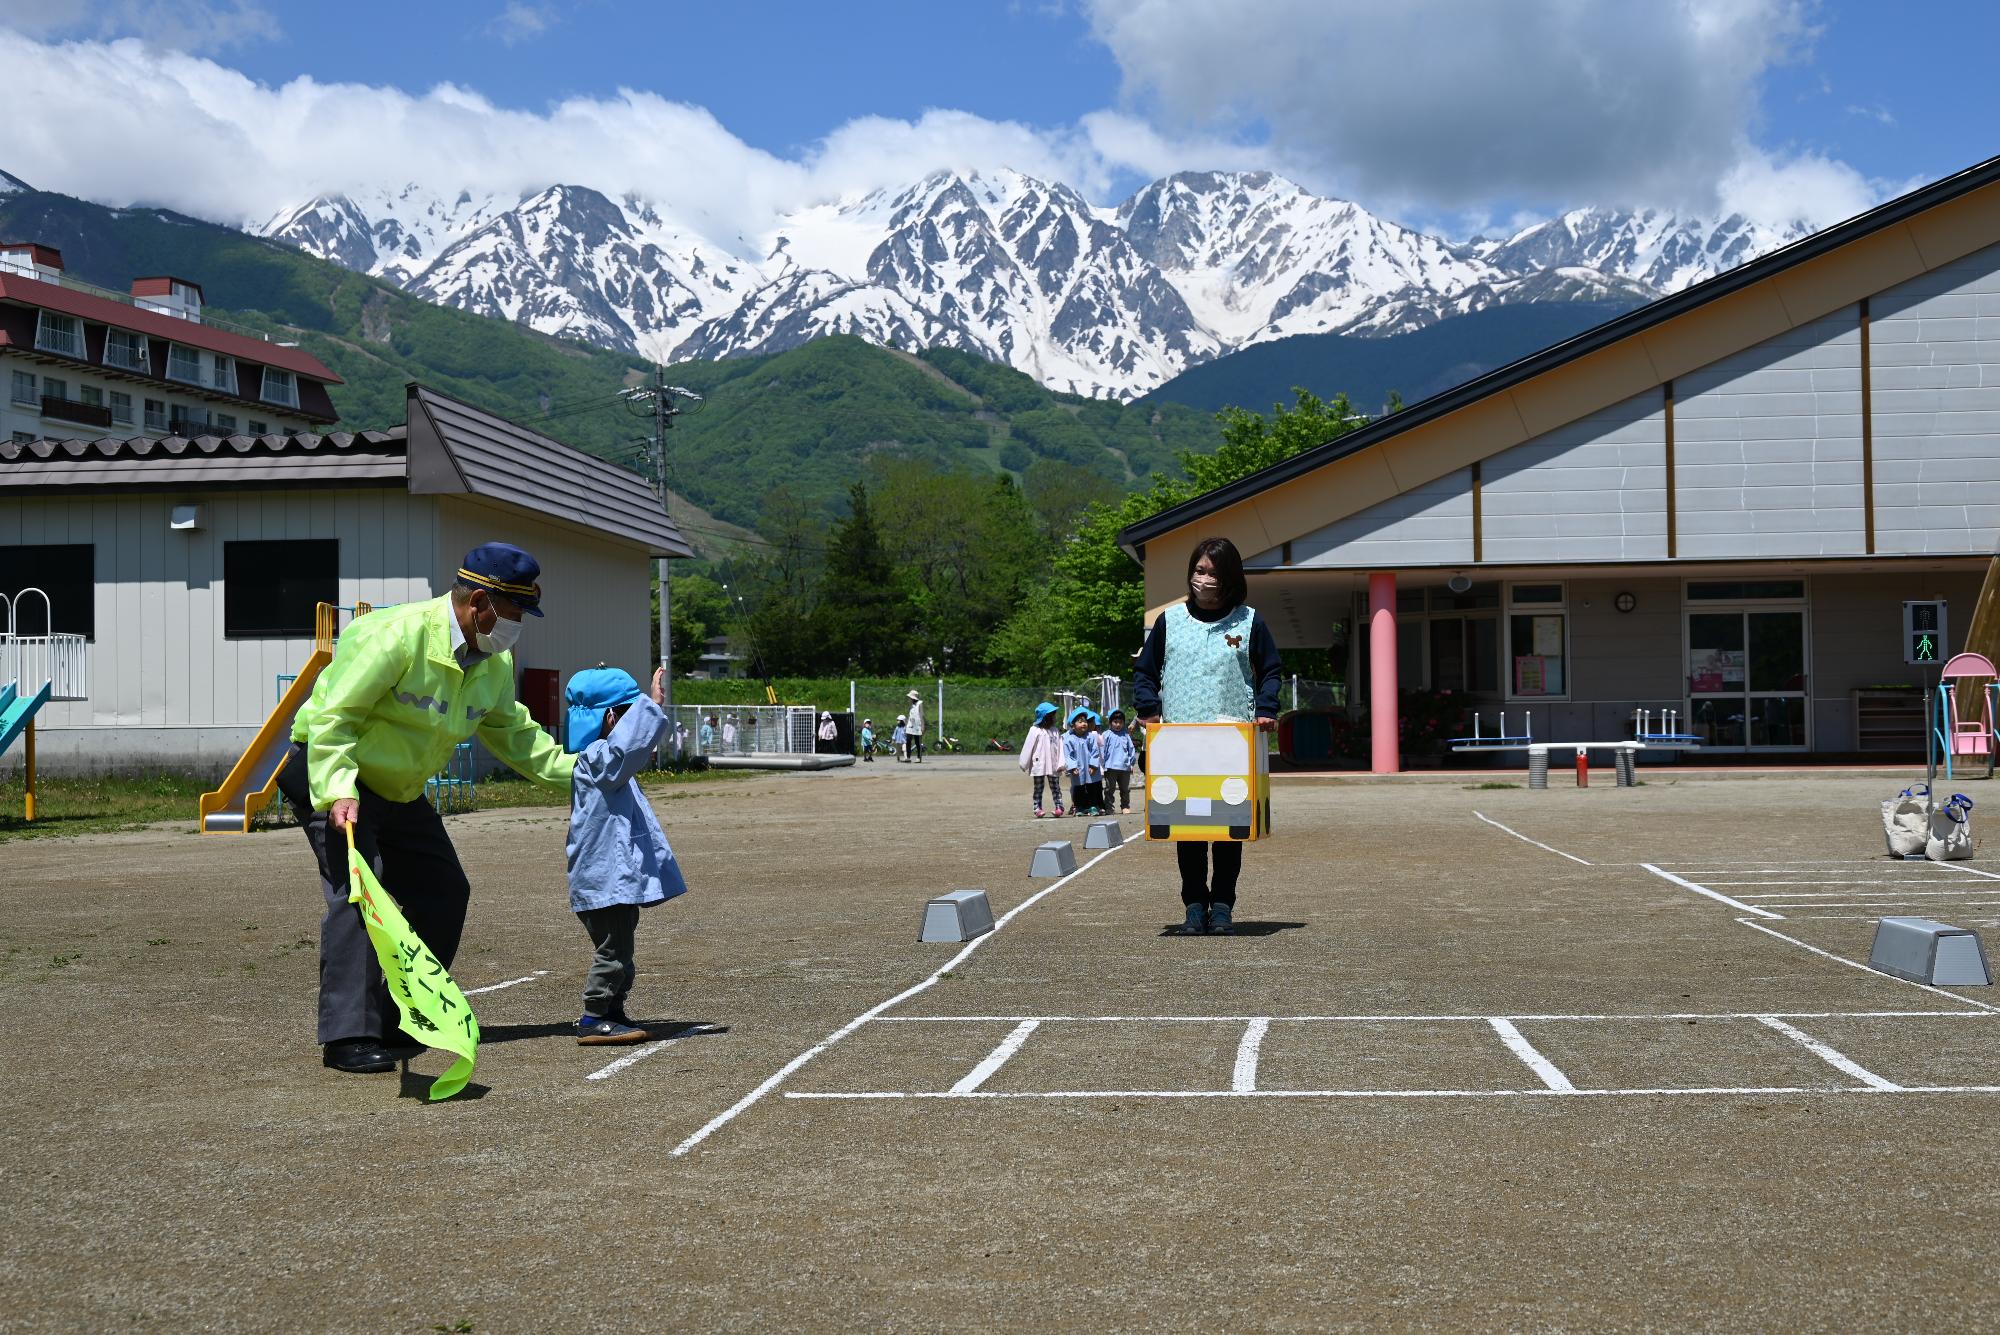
<point>1235,791</point>
<point>1165,790</point>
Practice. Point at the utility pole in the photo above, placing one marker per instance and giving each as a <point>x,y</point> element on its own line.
<point>658,400</point>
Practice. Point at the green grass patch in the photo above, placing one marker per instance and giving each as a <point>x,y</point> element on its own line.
<point>94,806</point>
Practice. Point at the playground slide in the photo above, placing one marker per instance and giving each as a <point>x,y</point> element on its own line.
<point>253,782</point>
<point>16,710</point>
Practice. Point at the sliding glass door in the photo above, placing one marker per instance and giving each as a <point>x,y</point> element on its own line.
<point>1746,677</point>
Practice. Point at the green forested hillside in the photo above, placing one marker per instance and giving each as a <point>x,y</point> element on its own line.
<point>807,422</point>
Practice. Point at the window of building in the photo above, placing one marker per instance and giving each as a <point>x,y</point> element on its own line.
<point>121,406</point>
<point>183,364</point>
<point>1537,641</point>
<point>66,573</point>
<point>1746,590</point>
<point>123,348</point>
<point>91,394</point>
<point>156,414</point>
<point>54,387</point>
<point>222,372</point>
<point>258,428</point>
<point>271,590</point>
<point>280,387</point>
<point>23,437</point>
<point>60,334</point>
<point>225,424</point>
<point>25,390</point>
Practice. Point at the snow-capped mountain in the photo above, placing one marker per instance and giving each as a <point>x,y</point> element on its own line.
<point>1662,250</point>
<point>1108,302</point>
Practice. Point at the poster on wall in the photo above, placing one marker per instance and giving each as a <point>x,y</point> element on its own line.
<point>1712,671</point>
<point>1531,675</point>
<point>1549,637</point>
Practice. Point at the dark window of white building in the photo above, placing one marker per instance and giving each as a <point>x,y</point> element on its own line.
<point>66,573</point>
<point>272,589</point>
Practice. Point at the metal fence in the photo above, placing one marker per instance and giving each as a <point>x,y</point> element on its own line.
<point>744,730</point>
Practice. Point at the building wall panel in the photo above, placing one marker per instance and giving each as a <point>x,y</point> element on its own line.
<point>1767,447</point>
<point>1936,389</point>
<point>1430,524</point>
<point>1592,490</point>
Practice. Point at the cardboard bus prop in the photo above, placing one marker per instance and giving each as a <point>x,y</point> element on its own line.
<point>1209,781</point>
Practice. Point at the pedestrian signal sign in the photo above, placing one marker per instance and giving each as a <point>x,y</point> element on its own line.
<point>1924,631</point>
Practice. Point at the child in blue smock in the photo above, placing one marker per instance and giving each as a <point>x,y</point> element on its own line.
<point>1120,755</point>
<point>619,860</point>
<point>1080,757</point>
<point>868,740</point>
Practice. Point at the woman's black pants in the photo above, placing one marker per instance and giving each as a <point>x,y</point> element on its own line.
<point>1196,887</point>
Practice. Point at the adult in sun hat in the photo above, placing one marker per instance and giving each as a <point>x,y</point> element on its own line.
<point>914,728</point>
<point>406,685</point>
<point>829,733</point>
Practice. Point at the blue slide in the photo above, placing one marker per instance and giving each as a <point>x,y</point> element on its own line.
<point>15,712</point>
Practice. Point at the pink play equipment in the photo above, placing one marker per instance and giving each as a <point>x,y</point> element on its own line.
<point>1958,737</point>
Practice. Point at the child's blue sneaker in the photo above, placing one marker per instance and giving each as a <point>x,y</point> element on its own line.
<point>602,1029</point>
<point>1221,920</point>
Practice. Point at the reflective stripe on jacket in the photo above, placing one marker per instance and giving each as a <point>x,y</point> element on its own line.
<point>394,702</point>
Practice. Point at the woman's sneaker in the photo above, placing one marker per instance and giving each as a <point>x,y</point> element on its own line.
<point>1221,920</point>
<point>593,1030</point>
<point>1197,921</point>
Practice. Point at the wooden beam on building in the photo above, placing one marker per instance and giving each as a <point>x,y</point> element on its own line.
<point>1867,437</point>
<point>1673,538</point>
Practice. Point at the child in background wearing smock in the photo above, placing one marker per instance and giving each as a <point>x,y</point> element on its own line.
<point>1120,756</point>
<point>900,739</point>
<point>1080,758</point>
<point>868,740</point>
<point>619,860</point>
<point>1042,756</point>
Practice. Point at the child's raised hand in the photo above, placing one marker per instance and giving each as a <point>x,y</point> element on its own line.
<point>659,685</point>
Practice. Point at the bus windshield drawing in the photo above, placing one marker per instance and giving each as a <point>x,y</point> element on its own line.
<point>1195,750</point>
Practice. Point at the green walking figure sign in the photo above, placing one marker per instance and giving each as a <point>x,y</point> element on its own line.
<point>1924,630</point>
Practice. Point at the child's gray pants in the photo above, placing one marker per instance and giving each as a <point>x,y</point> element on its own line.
<point>611,969</point>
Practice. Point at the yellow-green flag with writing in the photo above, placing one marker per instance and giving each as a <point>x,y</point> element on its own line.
<point>434,1012</point>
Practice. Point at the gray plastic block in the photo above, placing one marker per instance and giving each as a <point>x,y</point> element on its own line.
<point>1923,951</point>
<point>1103,834</point>
<point>1055,858</point>
<point>958,916</point>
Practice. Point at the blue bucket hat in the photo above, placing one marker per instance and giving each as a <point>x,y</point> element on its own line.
<point>1077,713</point>
<point>502,568</point>
<point>590,693</point>
<point>1043,710</point>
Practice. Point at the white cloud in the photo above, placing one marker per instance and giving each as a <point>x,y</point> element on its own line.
<point>520,22</point>
<point>186,25</point>
<point>1804,186</point>
<point>1445,105</point>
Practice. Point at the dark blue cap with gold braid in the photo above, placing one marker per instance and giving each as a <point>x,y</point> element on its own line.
<point>506,570</point>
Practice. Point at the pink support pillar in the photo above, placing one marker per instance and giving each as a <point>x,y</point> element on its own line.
<point>1388,757</point>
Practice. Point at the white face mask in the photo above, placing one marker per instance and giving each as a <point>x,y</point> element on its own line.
<point>504,635</point>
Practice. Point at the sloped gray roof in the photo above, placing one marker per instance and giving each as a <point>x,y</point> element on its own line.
<point>446,448</point>
<point>145,463</point>
<point>455,448</point>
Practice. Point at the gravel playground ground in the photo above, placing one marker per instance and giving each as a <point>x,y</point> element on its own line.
<point>1481,1058</point>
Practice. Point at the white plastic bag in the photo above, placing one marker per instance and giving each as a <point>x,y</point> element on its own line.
<point>1951,831</point>
<point>1905,823</point>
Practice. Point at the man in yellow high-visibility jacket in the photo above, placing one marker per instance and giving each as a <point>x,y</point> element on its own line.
<point>406,685</point>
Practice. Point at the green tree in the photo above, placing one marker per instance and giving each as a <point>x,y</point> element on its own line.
<point>862,618</point>
<point>969,549</point>
<point>699,610</point>
<point>1089,618</point>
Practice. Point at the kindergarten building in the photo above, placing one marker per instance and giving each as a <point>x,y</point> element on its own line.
<point>1715,504</point>
<point>194,564</point>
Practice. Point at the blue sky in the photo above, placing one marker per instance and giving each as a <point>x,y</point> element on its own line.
<point>1452,114</point>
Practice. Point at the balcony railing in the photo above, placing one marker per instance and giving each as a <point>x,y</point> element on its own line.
<point>126,357</point>
<point>70,410</point>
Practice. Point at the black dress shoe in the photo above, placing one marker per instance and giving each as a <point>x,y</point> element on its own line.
<point>359,1056</point>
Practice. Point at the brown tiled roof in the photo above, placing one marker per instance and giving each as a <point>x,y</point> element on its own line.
<point>302,458</point>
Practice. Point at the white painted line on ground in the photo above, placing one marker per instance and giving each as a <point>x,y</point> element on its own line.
<point>1872,973</point>
<point>640,1054</point>
<point>1526,840</point>
<point>1712,894</point>
<point>1432,1019</point>
<point>1867,917</point>
<point>1969,871</point>
<point>1244,1078</point>
<point>1831,1056</point>
<point>784,1072</point>
<point>1535,1061</point>
<point>1888,906</point>
<point>1835,1090</point>
<point>1874,894</point>
<point>997,1058</point>
<point>495,987</point>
